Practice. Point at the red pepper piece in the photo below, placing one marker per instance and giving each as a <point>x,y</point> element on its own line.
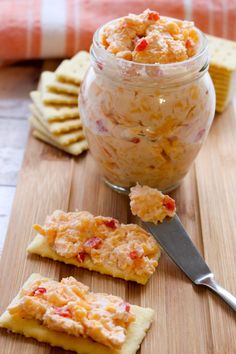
<point>40,290</point>
<point>111,223</point>
<point>63,312</point>
<point>134,255</point>
<point>189,43</point>
<point>101,127</point>
<point>93,242</point>
<point>142,44</point>
<point>135,140</point>
<point>99,65</point>
<point>169,203</point>
<point>126,25</point>
<point>154,16</point>
<point>126,306</point>
<point>200,134</point>
<point>81,256</point>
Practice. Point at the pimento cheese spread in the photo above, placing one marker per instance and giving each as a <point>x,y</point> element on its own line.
<point>145,118</point>
<point>150,38</point>
<point>104,240</point>
<point>68,306</point>
<point>150,204</point>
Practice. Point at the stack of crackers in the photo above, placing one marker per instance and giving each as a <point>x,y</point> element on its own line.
<point>54,109</point>
<point>222,69</point>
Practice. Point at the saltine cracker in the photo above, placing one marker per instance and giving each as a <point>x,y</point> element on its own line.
<point>74,70</point>
<point>53,113</point>
<point>32,328</point>
<point>51,97</point>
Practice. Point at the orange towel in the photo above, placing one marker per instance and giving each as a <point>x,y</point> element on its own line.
<point>59,28</point>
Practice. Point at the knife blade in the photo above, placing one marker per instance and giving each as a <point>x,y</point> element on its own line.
<point>174,240</point>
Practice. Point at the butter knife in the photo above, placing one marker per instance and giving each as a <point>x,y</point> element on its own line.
<point>175,241</point>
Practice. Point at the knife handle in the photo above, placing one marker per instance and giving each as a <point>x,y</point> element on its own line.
<point>210,282</point>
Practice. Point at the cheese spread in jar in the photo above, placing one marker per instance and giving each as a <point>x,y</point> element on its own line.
<point>147,102</point>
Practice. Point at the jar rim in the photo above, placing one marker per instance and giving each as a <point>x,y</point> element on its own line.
<point>203,50</point>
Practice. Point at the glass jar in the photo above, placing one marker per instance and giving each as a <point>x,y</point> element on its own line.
<point>146,122</point>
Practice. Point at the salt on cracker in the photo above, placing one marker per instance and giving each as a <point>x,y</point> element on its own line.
<point>51,97</point>
<point>32,328</point>
<point>73,70</point>
<point>53,113</point>
<point>63,139</point>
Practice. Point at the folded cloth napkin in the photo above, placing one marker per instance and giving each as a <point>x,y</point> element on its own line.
<point>60,28</point>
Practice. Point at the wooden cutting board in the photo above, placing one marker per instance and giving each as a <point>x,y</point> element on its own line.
<point>188,319</point>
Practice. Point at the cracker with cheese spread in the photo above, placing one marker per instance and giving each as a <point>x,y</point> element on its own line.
<point>66,314</point>
<point>97,243</point>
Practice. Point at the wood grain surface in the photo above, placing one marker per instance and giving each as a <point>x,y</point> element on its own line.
<point>15,83</point>
<point>188,319</point>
